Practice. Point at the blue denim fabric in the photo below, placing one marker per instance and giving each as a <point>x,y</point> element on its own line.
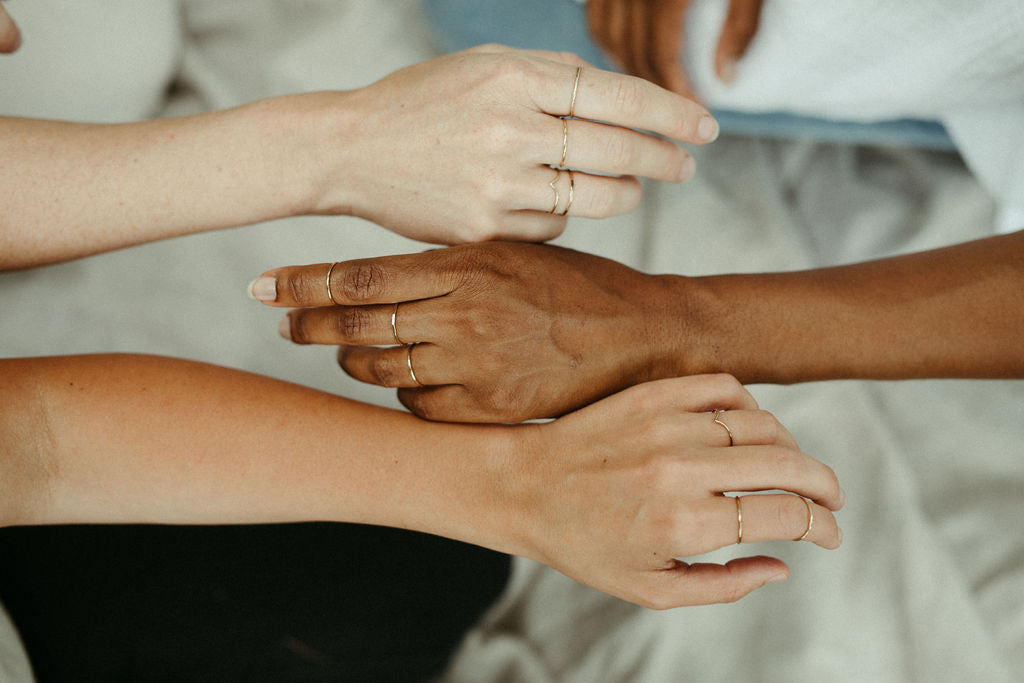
<point>561,25</point>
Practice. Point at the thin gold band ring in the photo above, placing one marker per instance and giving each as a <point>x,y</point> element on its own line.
<point>330,294</point>
<point>575,89</point>
<point>716,417</point>
<point>572,194</point>
<point>810,520</point>
<point>739,520</point>
<point>553,186</point>
<point>394,326</point>
<point>408,361</point>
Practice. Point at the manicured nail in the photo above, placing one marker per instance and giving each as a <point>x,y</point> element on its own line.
<point>727,74</point>
<point>263,289</point>
<point>778,578</point>
<point>688,168</point>
<point>284,328</point>
<point>707,129</point>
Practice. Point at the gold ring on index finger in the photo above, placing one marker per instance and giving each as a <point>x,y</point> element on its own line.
<point>330,294</point>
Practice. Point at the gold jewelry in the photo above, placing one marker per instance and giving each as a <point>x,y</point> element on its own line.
<point>739,520</point>
<point>408,361</point>
<point>572,192</point>
<point>394,326</point>
<point>575,87</point>
<point>717,420</point>
<point>565,140</point>
<point>810,519</point>
<point>554,180</point>
<point>330,294</point>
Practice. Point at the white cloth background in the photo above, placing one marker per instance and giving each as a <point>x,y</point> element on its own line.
<point>868,60</point>
<point>929,585</point>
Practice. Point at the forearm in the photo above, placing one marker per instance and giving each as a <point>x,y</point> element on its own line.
<point>72,189</point>
<point>953,312</point>
<point>119,438</point>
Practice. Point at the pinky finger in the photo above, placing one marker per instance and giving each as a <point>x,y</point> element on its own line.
<point>580,194</point>
<point>706,584</point>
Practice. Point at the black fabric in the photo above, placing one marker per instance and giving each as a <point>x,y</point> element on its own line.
<point>291,602</point>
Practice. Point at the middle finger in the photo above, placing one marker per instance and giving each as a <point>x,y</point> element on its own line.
<point>371,325</point>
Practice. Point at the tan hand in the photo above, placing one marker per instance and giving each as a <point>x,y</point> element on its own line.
<point>504,332</point>
<point>460,148</point>
<point>645,37</point>
<point>621,489</point>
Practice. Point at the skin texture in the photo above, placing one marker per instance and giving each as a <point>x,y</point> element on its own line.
<point>645,38</point>
<point>509,332</point>
<point>609,495</point>
<point>478,132</point>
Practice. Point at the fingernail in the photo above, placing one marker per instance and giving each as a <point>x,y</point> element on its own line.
<point>842,498</point>
<point>840,536</point>
<point>284,328</point>
<point>728,71</point>
<point>777,578</point>
<point>263,289</point>
<point>688,168</point>
<point>707,129</point>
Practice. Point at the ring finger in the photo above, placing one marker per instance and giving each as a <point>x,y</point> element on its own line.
<point>371,325</point>
<point>415,365</point>
<point>580,194</point>
<point>613,149</point>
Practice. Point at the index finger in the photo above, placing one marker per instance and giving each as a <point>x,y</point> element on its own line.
<point>625,101</point>
<point>381,280</point>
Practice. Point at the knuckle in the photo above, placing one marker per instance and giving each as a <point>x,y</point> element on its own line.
<point>768,426</point>
<point>792,514</point>
<point>383,371</point>
<point>628,97</point>
<point>732,593</point>
<point>619,150</point>
<point>418,403</point>
<point>353,324</point>
<point>363,281</point>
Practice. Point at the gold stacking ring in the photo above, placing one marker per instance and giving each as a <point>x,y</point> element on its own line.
<point>739,520</point>
<point>553,185</point>
<point>715,416</point>
<point>575,89</point>
<point>572,193</point>
<point>394,326</point>
<point>408,361</point>
<point>810,519</point>
<point>330,294</point>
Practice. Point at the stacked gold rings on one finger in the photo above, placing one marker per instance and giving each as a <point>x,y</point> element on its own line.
<point>810,519</point>
<point>715,417</point>
<point>330,294</point>
<point>394,326</point>
<point>408,361</point>
<point>739,520</point>
<point>408,347</point>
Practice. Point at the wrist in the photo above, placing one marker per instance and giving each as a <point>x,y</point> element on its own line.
<point>685,338</point>
<point>311,135</point>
